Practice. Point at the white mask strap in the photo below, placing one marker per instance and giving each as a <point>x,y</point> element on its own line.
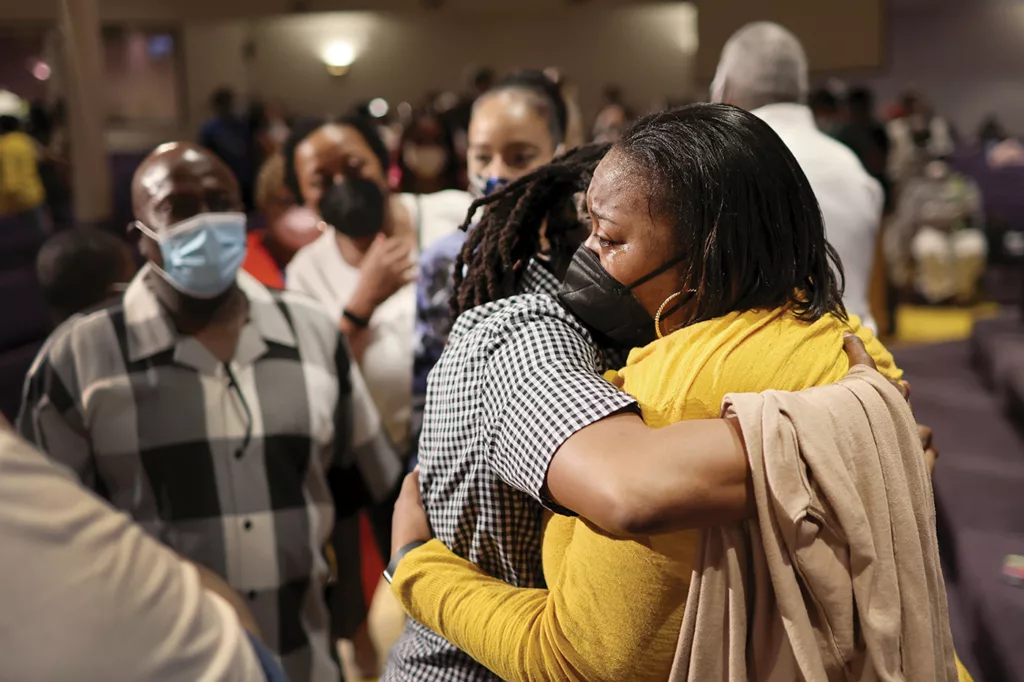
<point>144,229</point>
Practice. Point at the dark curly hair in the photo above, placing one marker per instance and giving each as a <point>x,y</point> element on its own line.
<point>489,266</point>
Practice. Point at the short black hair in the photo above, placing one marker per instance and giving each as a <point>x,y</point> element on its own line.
<point>482,79</point>
<point>222,99</point>
<point>861,100</point>
<point>304,127</point>
<point>823,99</point>
<point>545,97</point>
<point>77,267</point>
<point>9,124</point>
<point>367,128</point>
<point>745,216</point>
<point>450,172</point>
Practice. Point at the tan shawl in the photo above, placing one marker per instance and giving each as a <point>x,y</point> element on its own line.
<point>839,577</point>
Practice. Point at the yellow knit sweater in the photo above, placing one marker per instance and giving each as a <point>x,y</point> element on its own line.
<point>613,607</point>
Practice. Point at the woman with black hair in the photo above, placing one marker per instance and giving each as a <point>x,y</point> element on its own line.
<point>707,255</point>
<point>427,158</point>
<point>361,268</point>
<point>363,265</point>
<point>515,128</point>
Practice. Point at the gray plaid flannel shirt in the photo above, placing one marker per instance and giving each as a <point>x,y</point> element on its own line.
<point>234,467</point>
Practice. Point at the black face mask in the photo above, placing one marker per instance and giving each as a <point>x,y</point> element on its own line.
<point>354,207</point>
<point>607,307</point>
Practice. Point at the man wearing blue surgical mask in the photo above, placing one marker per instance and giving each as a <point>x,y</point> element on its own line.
<point>225,418</point>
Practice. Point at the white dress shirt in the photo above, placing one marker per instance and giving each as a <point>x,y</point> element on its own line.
<point>88,596</point>
<point>320,271</point>
<point>850,199</point>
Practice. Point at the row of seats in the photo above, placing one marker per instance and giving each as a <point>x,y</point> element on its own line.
<point>972,394</point>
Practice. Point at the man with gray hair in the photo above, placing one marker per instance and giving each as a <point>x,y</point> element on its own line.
<point>763,69</point>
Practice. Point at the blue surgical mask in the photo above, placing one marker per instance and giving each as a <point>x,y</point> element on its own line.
<point>201,255</point>
<point>481,186</point>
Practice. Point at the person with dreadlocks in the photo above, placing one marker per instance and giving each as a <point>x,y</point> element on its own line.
<point>518,417</point>
<point>515,128</point>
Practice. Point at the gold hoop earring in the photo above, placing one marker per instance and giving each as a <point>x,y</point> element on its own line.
<point>661,309</point>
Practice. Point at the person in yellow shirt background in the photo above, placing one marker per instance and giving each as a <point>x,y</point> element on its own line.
<point>707,235</point>
<point>21,189</point>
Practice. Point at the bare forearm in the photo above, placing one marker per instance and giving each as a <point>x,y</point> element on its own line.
<point>630,479</point>
<point>358,338</point>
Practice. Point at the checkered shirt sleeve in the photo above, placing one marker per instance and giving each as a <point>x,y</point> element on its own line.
<point>543,387</point>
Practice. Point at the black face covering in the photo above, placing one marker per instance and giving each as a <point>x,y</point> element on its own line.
<point>354,207</point>
<point>606,306</point>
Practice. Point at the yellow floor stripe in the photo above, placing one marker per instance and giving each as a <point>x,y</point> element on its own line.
<point>933,324</point>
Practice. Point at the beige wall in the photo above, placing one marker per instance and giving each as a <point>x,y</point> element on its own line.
<point>968,58</point>
<point>647,49</point>
<point>837,34</point>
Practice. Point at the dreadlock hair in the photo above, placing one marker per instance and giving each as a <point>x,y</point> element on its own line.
<point>490,265</point>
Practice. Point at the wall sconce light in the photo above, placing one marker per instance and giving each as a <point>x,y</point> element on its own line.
<point>338,58</point>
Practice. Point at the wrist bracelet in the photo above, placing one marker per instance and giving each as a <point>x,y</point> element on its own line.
<point>355,319</point>
<point>389,572</point>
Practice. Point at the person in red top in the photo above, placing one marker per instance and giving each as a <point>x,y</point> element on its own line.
<point>289,227</point>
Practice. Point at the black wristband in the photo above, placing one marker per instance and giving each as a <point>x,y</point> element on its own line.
<point>389,572</point>
<point>355,319</point>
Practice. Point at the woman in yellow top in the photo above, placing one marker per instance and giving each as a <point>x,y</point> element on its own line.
<point>21,189</point>
<point>747,296</point>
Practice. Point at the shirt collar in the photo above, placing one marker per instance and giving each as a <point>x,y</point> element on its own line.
<point>787,114</point>
<point>151,331</point>
<point>537,279</point>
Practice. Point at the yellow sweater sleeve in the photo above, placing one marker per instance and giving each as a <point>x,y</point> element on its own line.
<point>883,358</point>
<point>502,627</point>
<point>612,613</point>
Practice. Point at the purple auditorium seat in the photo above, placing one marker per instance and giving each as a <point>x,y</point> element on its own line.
<point>25,317</point>
<point>992,343</point>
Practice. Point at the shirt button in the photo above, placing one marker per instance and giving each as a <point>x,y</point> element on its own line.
<point>252,595</point>
<point>247,525</point>
<point>239,453</point>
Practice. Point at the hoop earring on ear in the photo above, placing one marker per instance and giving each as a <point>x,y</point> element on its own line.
<point>661,309</point>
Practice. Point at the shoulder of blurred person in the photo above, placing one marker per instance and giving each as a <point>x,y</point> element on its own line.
<point>313,267</point>
<point>437,215</point>
<point>133,610</point>
<point>851,200</point>
<point>831,166</point>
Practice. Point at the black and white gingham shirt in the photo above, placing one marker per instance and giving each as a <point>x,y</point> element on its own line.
<point>155,424</point>
<point>518,377</point>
